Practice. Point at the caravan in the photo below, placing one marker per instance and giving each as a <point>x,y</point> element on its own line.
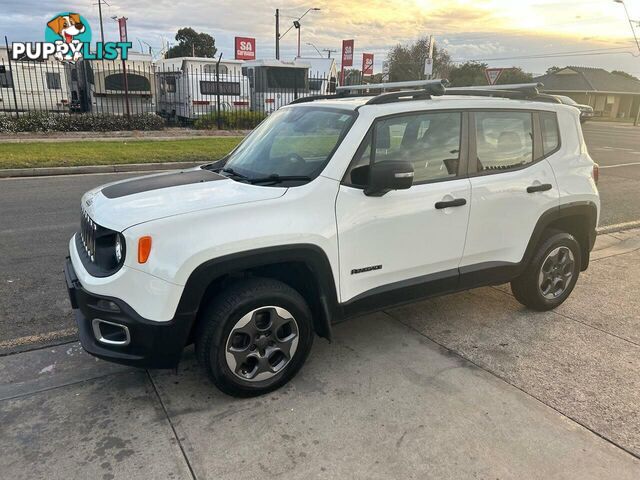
<point>190,87</point>
<point>37,85</point>
<point>275,83</point>
<point>104,87</point>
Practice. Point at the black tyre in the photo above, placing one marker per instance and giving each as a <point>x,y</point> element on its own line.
<point>551,275</point>
<point>254,337</point>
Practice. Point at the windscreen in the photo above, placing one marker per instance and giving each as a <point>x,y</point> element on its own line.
<point>295,141</point>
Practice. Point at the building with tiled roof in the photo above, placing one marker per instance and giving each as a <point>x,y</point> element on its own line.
<point>610,94</point>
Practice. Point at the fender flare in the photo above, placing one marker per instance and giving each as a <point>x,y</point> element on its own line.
<point>585,209</point>
<point>312,256</point>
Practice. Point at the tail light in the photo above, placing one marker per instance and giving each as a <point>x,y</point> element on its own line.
<point>269,100</point>
<point>201,102</point>
<point>596,173</point>
<point>241,103</point>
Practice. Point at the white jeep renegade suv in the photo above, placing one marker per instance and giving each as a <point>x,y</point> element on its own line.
<point>334,207</point>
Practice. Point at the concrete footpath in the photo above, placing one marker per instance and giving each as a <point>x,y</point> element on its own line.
<point>470,385</point>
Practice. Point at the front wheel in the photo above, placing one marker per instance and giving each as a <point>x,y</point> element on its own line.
<point>254,337</point>
<point>551,275</point>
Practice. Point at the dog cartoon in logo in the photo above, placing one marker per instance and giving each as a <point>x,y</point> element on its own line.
<point>67,27</point>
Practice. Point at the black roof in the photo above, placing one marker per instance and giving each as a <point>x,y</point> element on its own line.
<point>588,79</point>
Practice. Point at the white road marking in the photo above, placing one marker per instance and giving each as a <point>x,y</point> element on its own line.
<point>620,165</point>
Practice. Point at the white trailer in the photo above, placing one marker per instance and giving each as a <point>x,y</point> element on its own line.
<point>189,87</point>
<point>104,86</point>
<point>39,86</point>
<point>275,83</point>
<point>323,74</point>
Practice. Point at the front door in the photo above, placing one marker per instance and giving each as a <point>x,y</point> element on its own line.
<point>396,247</point>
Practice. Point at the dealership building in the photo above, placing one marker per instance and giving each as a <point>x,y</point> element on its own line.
<point>611,95</point>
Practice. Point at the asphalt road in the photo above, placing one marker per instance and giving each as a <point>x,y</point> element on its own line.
<point>616,148</point>
<point>39,215</point>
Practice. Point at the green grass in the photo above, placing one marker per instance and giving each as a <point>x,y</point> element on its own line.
<point>61,154</point>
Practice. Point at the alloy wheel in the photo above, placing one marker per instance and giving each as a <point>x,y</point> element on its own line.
<point>556,272</point>
<point>262,343</point>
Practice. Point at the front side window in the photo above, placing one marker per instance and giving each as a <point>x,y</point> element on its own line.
<point>226,88</point>
<point>430,141</point>
<point>550,132</point>
<point>53,81</point>
<point>211,68</point>
<point>135,83</point>
<point>291,142</point>
<point>504,140</point>
<point>284,77</point>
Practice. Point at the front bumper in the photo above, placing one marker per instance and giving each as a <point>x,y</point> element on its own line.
<point>151,344</point>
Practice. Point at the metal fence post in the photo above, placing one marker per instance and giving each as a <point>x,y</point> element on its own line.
<point>13,80</point>
<point>218,118</point>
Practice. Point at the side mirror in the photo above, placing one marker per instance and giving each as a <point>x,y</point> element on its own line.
<point>387,176</point>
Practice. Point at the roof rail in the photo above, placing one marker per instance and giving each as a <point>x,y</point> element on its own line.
<point>415,84</point>
<point>521,91</point>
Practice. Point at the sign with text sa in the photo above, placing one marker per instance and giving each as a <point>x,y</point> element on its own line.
<point>347,53</point>
<point>367,64</point>
<point>245,48</point>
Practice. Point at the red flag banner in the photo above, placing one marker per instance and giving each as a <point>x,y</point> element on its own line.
<point>245,48</point>
<point>367,64</point>
<point>347,53</point>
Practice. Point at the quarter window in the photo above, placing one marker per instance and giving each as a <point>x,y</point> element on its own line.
<point>504,140</point>
<point>550,135</point>
<point>430,141</point>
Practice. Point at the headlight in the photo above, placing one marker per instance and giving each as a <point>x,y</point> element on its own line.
<point>119,248</point>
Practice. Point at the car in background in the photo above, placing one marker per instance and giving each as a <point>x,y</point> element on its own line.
<point>586,111</point>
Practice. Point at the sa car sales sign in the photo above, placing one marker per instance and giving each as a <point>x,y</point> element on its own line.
<point>367,63</point>
<point>245,48</point>
<point>347,53</point>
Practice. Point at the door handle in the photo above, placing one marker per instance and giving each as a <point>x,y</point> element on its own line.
<point>458,202</point>
<point>539,188</point>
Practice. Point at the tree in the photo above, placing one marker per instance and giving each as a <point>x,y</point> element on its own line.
<point>468,74</point>
<point>514,75</point>
<point>406,62</point>
<point>553,69</point>
<point>192,43</point>
<point>624,74</point>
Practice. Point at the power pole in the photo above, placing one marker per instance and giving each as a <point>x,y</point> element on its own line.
<point>277,34</point>
<point>329,51</point>
<point>101,24</point>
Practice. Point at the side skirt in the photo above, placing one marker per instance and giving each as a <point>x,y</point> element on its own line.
<point>428,286</point>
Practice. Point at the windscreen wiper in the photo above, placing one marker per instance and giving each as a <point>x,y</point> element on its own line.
<point>233,173</point>
<point>275,178</point>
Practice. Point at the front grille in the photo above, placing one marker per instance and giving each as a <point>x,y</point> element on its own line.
<point>88,233</point>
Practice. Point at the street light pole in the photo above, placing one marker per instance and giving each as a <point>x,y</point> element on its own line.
<point>277,34</point>
<point>296,24</point>
<point>635,36</point>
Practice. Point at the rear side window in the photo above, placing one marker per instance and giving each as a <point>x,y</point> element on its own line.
<point>550,132</point>
<point>504,140</point>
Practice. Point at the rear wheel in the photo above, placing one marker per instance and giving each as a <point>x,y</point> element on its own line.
<point>254,337</point>
<point>551,275</point>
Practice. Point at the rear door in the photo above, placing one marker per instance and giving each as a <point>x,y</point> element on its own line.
<point>512,184</point>
<point>407,243</point>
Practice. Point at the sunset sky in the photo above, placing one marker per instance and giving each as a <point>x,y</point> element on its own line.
<point>500,32</point>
